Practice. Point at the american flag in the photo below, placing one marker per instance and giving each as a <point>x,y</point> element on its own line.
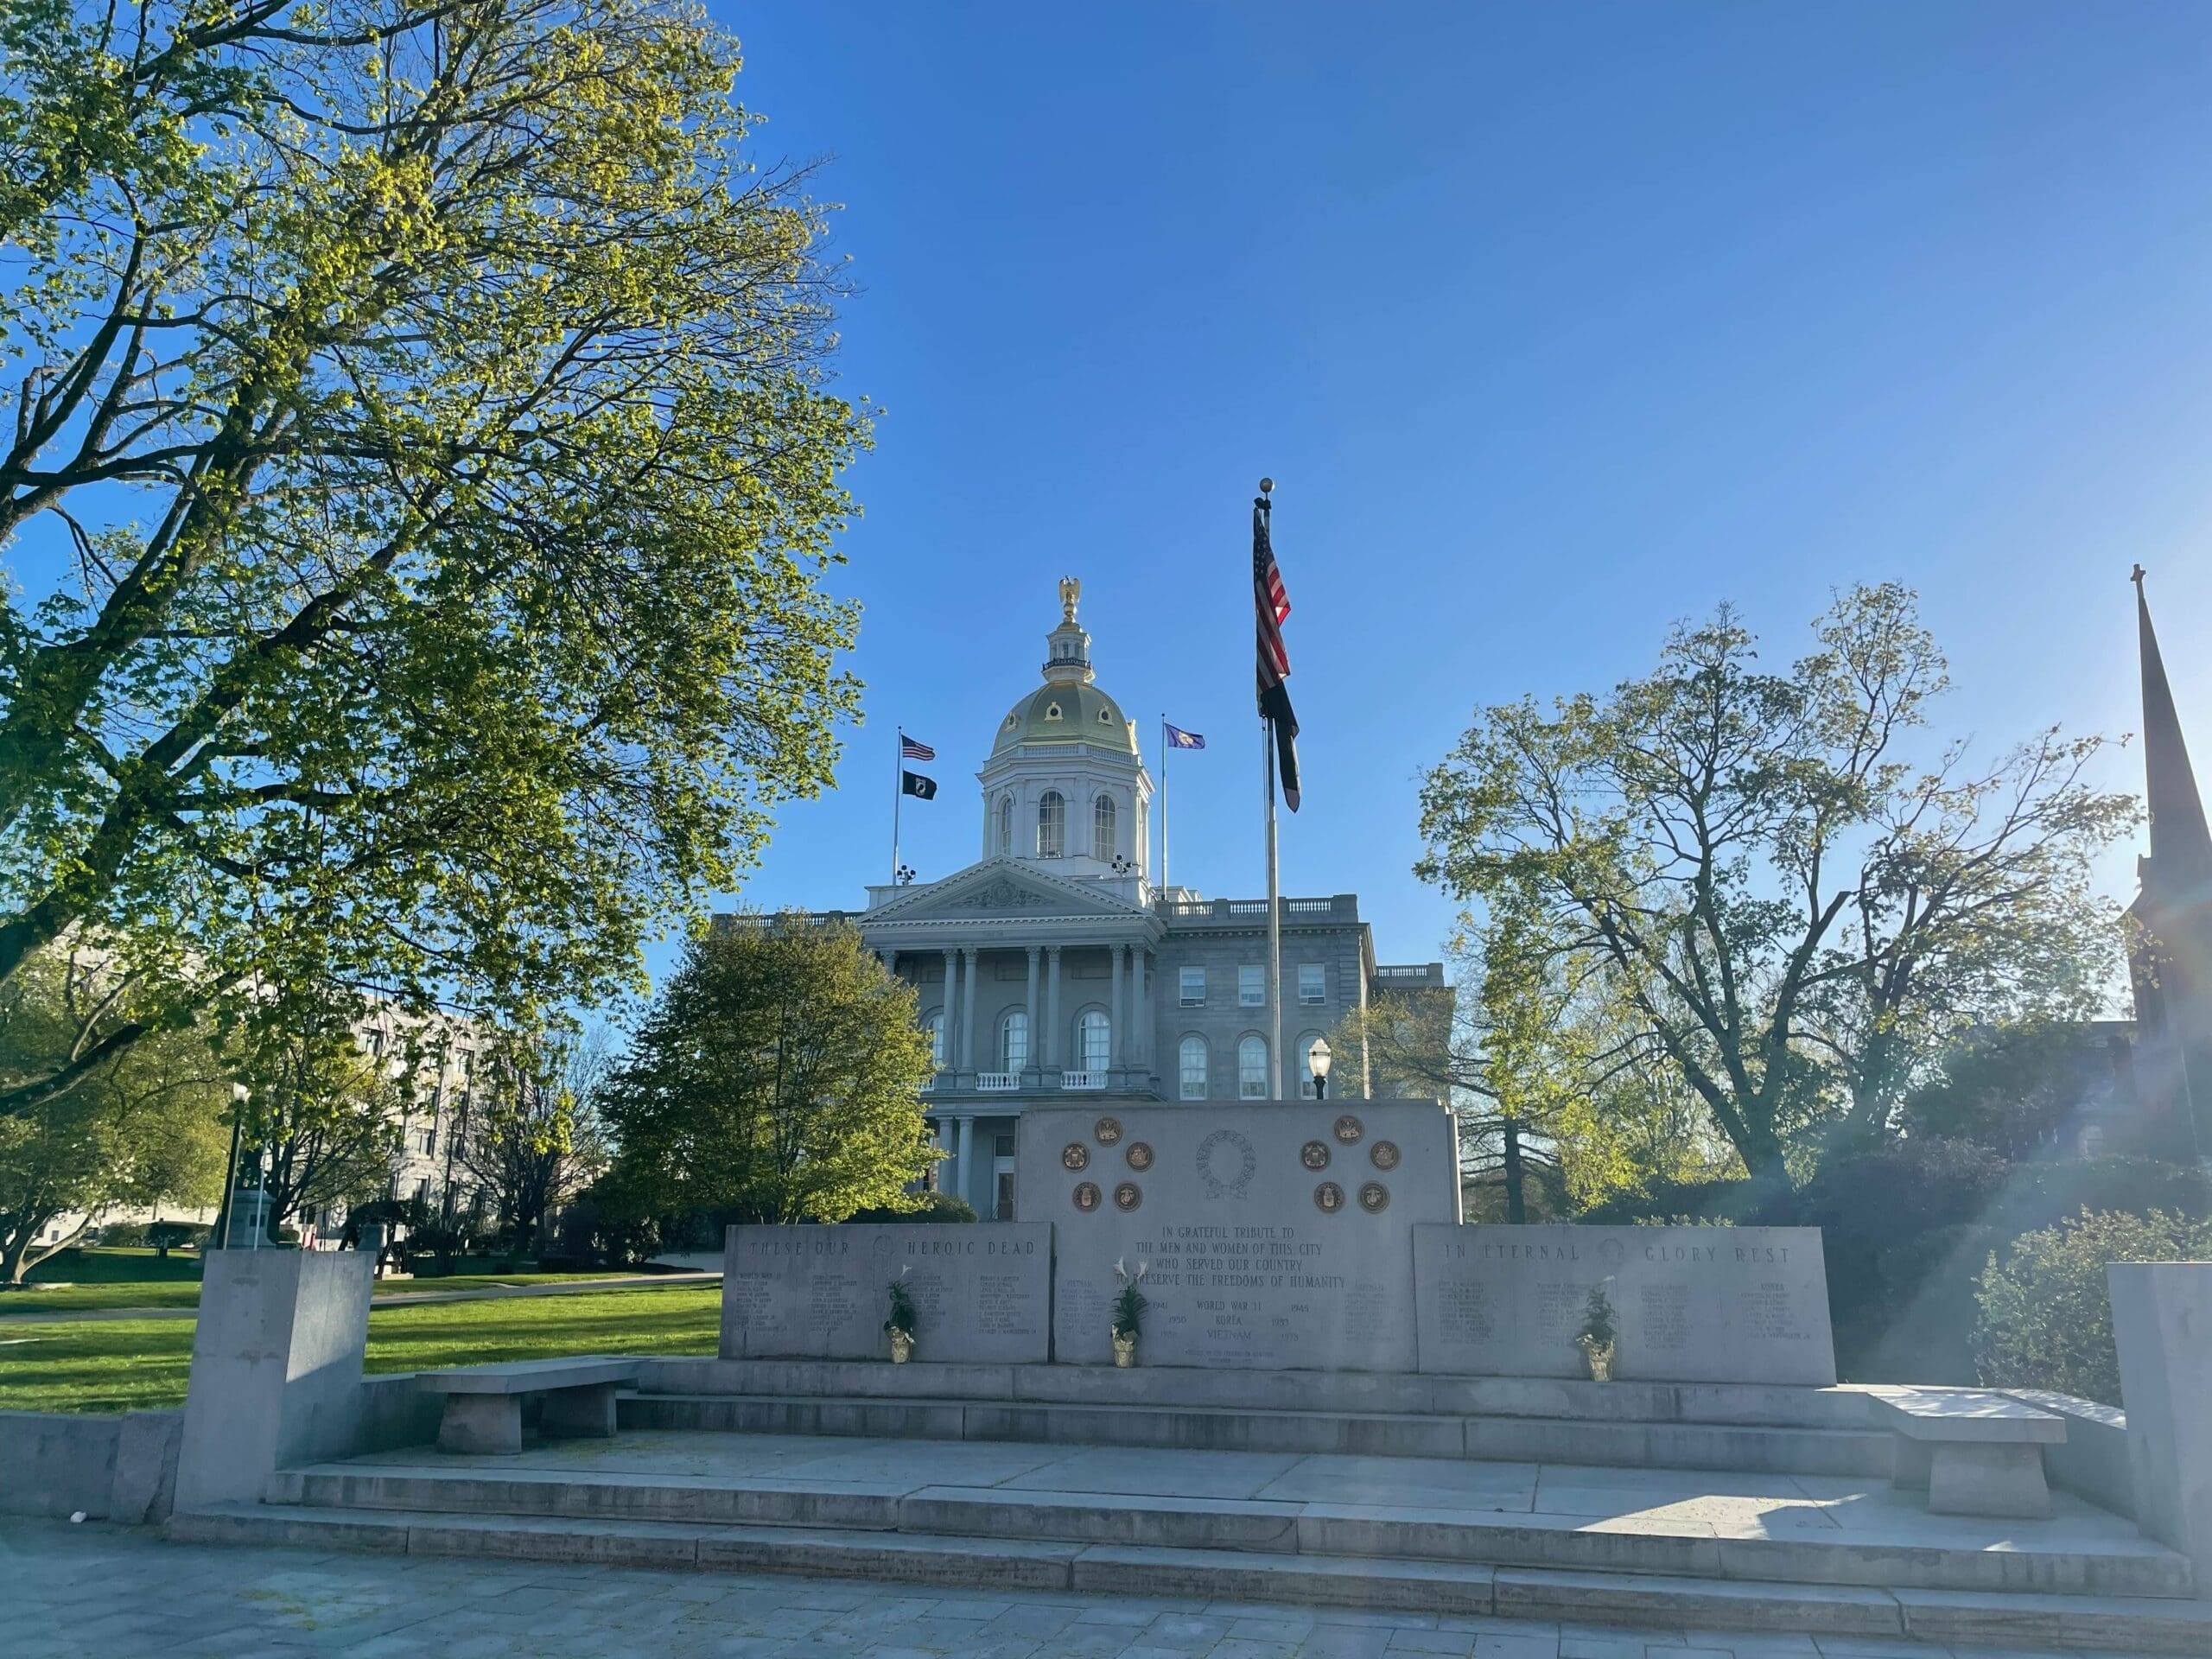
<point>913,749</point>
<point>1271,604</point>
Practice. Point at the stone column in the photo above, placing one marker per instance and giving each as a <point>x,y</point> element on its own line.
<point>1051,1008</point>
<point>1031,1012</point>
<point>2162,1325</point>
<point>952,1011</point>
<point>968,1052</point>
<point>275,1369</point>
<point>1140,973</point>
<point>967,1163</point>
<point>1117,1042</point>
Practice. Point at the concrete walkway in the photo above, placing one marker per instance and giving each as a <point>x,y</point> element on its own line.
<point>101,1590</point>
<point>382,1299</point>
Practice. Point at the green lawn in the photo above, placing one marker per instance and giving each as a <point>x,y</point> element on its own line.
<point>82,1281</point>
<point>137,1364</point>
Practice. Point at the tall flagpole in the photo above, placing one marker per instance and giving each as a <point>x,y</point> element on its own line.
<point>1275,901</point>
<point>1163,800</point>
<point>1274,924</point>
<point>898,797</point>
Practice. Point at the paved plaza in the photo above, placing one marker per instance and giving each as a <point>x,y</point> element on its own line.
<point>122,1593</point>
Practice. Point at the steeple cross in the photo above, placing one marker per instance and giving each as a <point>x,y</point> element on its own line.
<point>2136,576</point>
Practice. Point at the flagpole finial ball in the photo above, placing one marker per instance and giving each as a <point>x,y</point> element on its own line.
<point>1266,487</point>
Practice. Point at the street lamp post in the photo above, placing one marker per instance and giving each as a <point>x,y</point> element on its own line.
<point>222,1240</point>
<point>1317,1061</point>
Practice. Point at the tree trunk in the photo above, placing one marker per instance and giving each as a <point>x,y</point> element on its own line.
<point>1516,1202</point>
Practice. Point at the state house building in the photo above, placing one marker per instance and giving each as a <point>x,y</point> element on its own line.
<point>1052,970</point>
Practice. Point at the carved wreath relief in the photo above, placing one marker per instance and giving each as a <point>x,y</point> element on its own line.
<point>1226,1161</point>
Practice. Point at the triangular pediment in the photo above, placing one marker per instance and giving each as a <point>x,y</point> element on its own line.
<point>999,886</point>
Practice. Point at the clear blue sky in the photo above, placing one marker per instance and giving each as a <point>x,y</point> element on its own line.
<point>1553,324</point>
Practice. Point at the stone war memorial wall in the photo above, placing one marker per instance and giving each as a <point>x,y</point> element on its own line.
<point>1690,1304</point>
<point>1274,1235</point>
<point>983,1291</point>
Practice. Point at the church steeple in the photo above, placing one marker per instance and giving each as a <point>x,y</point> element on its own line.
<point>2180,844</point>
<point>2171,960</point>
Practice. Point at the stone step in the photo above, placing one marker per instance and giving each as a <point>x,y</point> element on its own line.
<point>1760,1405</point>
<point>1736,1447</point>
<point>2132,1625</point>
<point>1984,1559</point>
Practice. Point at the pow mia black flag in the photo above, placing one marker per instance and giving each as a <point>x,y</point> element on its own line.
<point>912,783</point>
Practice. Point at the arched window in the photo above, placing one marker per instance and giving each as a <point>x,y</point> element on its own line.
<point>1101,829</point>
<point>1006,825</point>
<point>1192,1062</point>
<point>935,1025</point>
<point>1305,1052</point>
<point>1052,825</point>
<point>1094,1041</point>
<point>1252,1068</point>
<point>1013,1040</point>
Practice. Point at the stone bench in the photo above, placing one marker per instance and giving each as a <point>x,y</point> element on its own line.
<point>483,1410</point>
<point>1972,1452</point>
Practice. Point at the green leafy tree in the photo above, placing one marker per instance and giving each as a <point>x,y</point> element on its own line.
<point>425,409</point>
<point>1557,1105</point>
<point>143,1128</point>
<point>1801,918</point>
<point>536,1142</point>
<point>2045,1317</point>
<point>325,1119</point>
<point>777,1078</point>
<point>2008,1087</point>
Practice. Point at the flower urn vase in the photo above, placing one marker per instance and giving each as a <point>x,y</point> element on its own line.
<point>902,1347</point>
<point>1598,1356</point>
<point>1125,1349</point>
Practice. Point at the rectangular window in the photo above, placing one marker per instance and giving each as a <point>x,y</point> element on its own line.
<point>1005,1211</point>
<point>1002,1146</point>
<point>1193,982</point>
<point>1313,982</point>
<point>1251,985</point>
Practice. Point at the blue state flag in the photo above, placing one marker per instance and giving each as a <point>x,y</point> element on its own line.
<point>1179,739</point>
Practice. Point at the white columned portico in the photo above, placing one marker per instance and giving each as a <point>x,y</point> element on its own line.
<point>952,1011</point>
<point>968,1033</point>
<point>1034,1060</point>
<point>966,1161</point>
<point>1051,1008</point>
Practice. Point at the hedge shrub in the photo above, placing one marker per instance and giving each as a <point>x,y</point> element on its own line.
<point>2045,1321</point>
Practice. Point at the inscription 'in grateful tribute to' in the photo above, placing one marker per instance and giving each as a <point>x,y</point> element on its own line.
<point>1250,1263</point>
